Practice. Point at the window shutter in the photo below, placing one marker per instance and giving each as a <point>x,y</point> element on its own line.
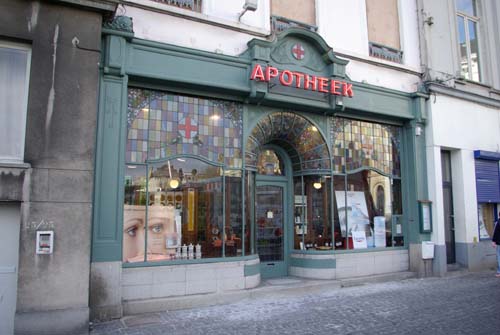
<point>487,181</point>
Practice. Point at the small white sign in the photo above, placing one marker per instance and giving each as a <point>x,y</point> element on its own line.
<point>379,227</point>
<point>44,242</point>
<point>359,239</point>
<point>270,214</point>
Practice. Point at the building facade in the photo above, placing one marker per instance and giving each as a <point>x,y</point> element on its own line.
<point>242,140</point>
<point>49,60</point>
<point>460,54</point>
<point>167,150</point>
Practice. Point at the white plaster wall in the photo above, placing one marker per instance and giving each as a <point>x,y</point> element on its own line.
<point>461,127</point>
<point>231,9</point>
<point>159,27</point>
<point>408,22</point>
<point>462,124</point>
<point>344,28</point>
<point>343,25</point>
<point>464,196</point>
<point>380,76</point>
<point>435,182</point>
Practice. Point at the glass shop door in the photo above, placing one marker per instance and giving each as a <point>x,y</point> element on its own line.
<point>270,218</point>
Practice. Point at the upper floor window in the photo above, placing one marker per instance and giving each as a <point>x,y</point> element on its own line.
<point>383,30</point>
<point>467,24</point>
<point>14,79</point>
<point>293,13</point>
<point>194,5</point>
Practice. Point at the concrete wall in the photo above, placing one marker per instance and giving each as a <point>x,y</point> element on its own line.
<point>350,265</point>
<point>149,289</point>
<point>53,289</point>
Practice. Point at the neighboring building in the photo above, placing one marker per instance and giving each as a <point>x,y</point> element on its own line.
<point>461,52</point>
<point>235,145</point>
<point>49,58</point>
<point>162,153</point>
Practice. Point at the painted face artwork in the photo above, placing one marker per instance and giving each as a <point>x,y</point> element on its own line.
<point>160,229</point>
<point>134,218</point>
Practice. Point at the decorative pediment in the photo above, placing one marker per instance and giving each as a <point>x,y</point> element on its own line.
<point>299,48</point>
<point>297,65</point>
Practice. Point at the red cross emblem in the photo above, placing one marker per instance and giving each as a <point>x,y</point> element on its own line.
<point>298,51</point>
<point>188,127</point>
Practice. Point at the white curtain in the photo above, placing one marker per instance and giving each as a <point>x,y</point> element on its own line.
<point>13,102</point>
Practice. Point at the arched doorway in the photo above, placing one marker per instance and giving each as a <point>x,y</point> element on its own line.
<point>281,146</point>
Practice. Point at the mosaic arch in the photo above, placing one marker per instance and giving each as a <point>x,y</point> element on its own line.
<point>300,138</point>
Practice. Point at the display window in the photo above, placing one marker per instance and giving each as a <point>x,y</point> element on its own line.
<point>368,193</point>
<point>183,179</point>
<point>312,213</point>
<point>486,220</point>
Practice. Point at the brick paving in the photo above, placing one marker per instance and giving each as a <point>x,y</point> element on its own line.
<point>464,304</point>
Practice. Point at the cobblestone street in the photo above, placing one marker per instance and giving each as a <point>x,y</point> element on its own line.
<point>462,304</point>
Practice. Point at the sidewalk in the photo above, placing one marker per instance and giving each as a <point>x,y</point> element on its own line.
<point>143,312</point>
<point>460,303</point>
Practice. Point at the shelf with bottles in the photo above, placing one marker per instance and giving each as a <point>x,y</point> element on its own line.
<point>300,215</point>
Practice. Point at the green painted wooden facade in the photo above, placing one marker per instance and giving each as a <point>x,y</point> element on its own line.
<point>130,61</point>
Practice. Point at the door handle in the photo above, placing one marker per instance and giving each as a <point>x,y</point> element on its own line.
<point>270,264</point>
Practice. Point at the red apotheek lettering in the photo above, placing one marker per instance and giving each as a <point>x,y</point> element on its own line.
<point>302,80</point>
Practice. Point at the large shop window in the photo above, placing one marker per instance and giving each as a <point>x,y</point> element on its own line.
<point>367,185</point>
<point>363,195</point>
<point>14,81</point>
<point>183,179</point>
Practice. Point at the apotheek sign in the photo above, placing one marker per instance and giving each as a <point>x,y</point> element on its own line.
<point>302,80</point>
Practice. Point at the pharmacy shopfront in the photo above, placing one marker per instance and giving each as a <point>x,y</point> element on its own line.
<point>214,172</point>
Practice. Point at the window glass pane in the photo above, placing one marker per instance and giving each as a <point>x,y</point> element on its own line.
<point>312,223</point>
<point>366,144</point>
<point>185,210</point>
<point>163,124</point>
<point>269,217</point>
<point>137,125</point>
<point>446,166</point>
<point>319,189</point>
<point>467,7</point>
<point>338,145</point>
<point>368,210</point>
<point>134,213</point>
<point>340,217</point>
<point>234,223</point>
<point>474,52</point>
<point>270,164</point>
<point>486,218</point>
<point>13,95</point>
<point>464,64</point>
<point>297,135</point>
<point>249,211</point>
<point>397,197</point>
<point>300,216</point>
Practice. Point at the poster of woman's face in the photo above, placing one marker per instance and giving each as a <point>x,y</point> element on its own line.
<point>160,229</point>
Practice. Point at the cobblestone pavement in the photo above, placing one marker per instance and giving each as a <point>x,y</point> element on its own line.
<point>465,304</point>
